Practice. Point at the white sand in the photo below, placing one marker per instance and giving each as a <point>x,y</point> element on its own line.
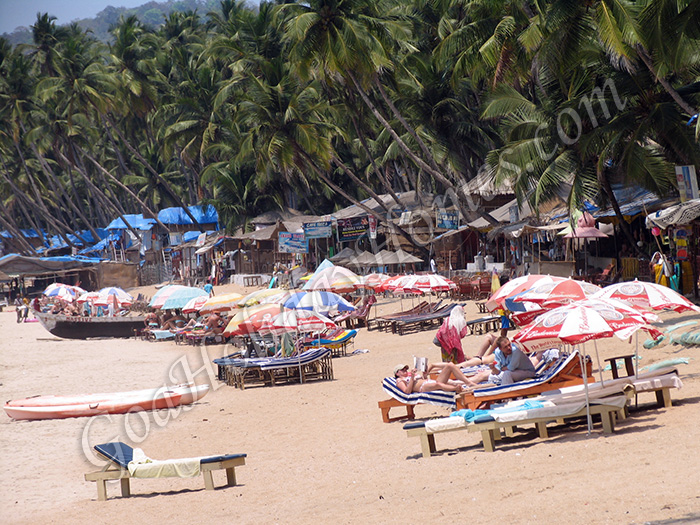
<point>320,451</point>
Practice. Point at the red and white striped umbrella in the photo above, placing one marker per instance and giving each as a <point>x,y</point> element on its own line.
<point>297,321</point>
<point>67,292</point>
<point>112,294</point>
<point>426,283</point>
<point>195,304</point>
<point>584,321</point>
<point>553,294</point>
<point>651,296</point>
<point>517,286</point>
<point>88,297</point>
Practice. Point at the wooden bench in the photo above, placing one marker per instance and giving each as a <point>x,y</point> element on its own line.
<point>484,324</point>
<point>491,430</point>
<point>120,454</point>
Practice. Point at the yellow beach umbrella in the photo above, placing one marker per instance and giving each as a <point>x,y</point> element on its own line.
<point>221,303</point>
<point>258,296</point>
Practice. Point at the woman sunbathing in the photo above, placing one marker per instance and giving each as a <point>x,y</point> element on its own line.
<point>413,381</point>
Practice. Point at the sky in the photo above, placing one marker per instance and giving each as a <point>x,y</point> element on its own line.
<point>15,13</point>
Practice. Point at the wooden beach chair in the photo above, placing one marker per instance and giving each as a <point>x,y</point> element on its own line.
<point>315,363</point>
<point>608,404</point>
<point>398,398</point>
<point>120,455</point>
<point>564,371</point>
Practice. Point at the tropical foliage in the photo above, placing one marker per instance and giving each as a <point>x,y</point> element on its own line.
<point>324,103</point>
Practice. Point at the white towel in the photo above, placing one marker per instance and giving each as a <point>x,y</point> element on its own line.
<point>444,423</point>
<point>144,467</point>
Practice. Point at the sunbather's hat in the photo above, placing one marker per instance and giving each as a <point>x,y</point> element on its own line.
<point>399,367</point>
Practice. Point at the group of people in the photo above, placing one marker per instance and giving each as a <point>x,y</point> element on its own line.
<point>507,361</point>
<point>175,321</point>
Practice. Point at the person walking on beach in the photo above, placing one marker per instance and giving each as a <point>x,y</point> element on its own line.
<point>449,336</point>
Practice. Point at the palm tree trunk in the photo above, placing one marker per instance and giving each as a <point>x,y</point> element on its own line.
<point>124,187</point>
<point>605,184</point>
<point>46,213</point>
<point>458,190</point>
<point>16,232</point>
<point>646,58</point>
<point>160,179</point>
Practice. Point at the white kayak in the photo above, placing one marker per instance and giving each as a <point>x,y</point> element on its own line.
<point>58,407</point>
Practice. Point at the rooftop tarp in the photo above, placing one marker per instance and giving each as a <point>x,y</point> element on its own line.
<point>682,213</point>
<point>633,201</point>
<point>29,234</point>
<point>15,264</point>
<point>177,216</point>
<point>138,222</point>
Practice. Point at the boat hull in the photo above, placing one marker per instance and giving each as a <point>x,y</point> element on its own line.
<point>78,327</point>
<point>60,407</point>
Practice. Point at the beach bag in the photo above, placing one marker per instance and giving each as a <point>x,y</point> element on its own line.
<point>436,342</point>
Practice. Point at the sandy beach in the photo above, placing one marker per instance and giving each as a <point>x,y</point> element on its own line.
<point>320,451</point>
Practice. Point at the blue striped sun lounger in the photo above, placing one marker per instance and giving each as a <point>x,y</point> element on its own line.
<point>315,362</point>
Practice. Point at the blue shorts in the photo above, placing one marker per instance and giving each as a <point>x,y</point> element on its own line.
<point>505,322</point>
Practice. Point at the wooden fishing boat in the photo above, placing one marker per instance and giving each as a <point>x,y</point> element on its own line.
<point>80,327</point>
<point>60,407</point>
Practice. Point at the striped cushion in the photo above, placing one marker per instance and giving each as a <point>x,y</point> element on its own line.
<point>267,363</point>
<point>437,397</point>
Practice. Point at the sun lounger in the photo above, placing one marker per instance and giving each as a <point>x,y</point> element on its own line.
<point>315,363</point>
<point>385,320</point>
<point>120,455</point>
<point>338,342</point>
<point>421,321</point>
<point>565,371</point>
<point>160,335</point>
<point>482,325</point>
<point>608,404</point>
<point>400,399</point>
<point>659,382</point>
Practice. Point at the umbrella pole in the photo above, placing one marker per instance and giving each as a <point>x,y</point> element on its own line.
<point>600,368</point>
<point>582,359</point>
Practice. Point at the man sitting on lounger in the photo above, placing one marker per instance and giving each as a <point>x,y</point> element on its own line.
<point>510,366</point>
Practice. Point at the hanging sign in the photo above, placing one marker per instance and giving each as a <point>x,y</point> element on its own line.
<point>317,230</point>
<point>687,183</point>
<point>290,242</point>
<point>372,226</point>
<point>353,228</point>
<point>448,220</point>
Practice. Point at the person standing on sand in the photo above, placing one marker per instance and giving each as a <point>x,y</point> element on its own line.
<point>449,336</point>
<point>209,288</point>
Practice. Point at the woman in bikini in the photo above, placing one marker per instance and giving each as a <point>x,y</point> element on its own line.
<point>413,380</point>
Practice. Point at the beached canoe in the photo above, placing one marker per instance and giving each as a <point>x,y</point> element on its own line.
<point>59,407</point>
<point>79,327</point>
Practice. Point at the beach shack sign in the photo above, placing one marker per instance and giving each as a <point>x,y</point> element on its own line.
<point>290,242</point>
<point>448,220</point>
<point>317,230</point>
<point>353,228</point>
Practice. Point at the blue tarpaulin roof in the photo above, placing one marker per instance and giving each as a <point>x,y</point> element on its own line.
<point>29,234</point>
<point>15,264</point>
<point>190,236</point>
<point>136,221</point>
<point>103,244</point>
<point>203,214</point>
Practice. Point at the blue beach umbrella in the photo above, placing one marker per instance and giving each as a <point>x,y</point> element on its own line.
<point>319,302</point>
<point>180,297</point>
